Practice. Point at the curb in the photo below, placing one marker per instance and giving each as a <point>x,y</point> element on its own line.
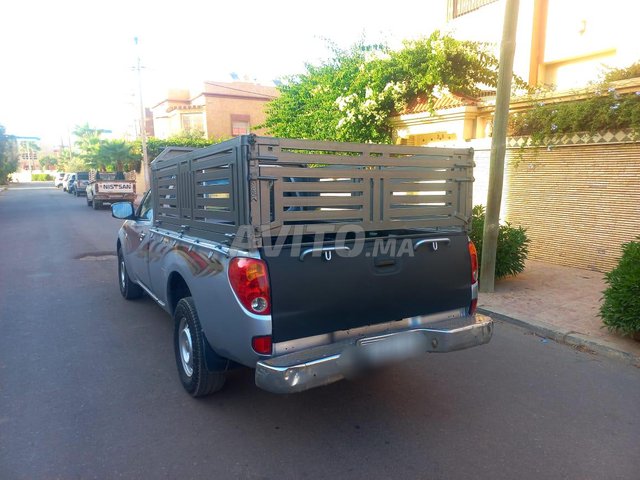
<point>568,337</point>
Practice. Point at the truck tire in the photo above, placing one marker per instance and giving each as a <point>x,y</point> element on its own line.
<point>96,205</point>
<point>128,289</point>
<point>188,343</point>
<point>75,192</point>
<point>89,202</point>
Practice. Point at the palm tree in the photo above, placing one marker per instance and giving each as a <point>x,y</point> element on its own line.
<point>117,155</point>
<point>88,142</point>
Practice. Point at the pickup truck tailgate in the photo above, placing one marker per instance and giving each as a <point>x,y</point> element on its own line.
<point>315,293</point>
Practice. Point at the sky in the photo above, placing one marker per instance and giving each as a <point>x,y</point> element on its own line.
<point>70,62</point>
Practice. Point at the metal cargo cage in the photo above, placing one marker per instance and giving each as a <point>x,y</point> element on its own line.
<point>261,187</point>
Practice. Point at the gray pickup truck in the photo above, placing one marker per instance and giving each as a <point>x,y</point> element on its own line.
<point>307,261</point>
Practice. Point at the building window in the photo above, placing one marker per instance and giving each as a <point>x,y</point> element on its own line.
<point>192,123</point>
<point>240,125</point>
<point>457,8</point>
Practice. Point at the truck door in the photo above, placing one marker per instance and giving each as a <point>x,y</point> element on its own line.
<point>137,238</point>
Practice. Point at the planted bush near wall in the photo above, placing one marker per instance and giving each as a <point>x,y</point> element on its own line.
<point>513,244</point>
<point>620,310</point>
<point>609,111</point>
<point>604,109</point>
<point>41,177</point>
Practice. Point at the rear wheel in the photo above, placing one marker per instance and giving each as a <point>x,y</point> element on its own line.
<point>89,202</point>
<point>96,205</point>
<point>188,343</point>
<point>128,289</point>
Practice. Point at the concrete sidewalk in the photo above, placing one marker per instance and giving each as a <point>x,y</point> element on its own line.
<point>559,303</point>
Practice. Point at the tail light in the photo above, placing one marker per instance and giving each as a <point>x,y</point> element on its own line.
<point>95,187</point>
<point>250,282</point>
<point>262,345</point>
<point>473,255</point>
<point>474,306</point>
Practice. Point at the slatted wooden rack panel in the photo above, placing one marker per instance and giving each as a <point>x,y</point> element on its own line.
<point>377,187</point>
<point>267,184</point>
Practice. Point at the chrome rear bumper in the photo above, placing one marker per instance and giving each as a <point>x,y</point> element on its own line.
<point>321,365</point>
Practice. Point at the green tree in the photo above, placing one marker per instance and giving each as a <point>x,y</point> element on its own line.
<point>65,156</point>
<point>117,155</point>
<point>156,145</point>
<point>352,96</point>
<point>8,155</point>
<point>48,161</point>
<point>88,144</point>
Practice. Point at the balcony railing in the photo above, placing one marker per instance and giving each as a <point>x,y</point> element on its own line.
<point>457,8</point>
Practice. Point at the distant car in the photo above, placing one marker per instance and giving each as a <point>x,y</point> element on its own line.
<point>68,178</point>
<point>110,188</point>
<point>57,182</point>
<point>80,182</point>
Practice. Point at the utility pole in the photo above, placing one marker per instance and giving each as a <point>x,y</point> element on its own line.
<point>145,167</point>
<point>498,147</point>
<point>70,146</point>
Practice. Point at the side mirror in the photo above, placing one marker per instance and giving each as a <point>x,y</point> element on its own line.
<point>123,211</point>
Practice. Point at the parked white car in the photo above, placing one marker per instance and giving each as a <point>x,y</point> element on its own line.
<point>59,177</point>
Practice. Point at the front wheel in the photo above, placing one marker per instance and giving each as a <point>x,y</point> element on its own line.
<point>128,289</point>
<point>188,343</point>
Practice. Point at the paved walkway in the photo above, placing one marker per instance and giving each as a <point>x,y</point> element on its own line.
<point>560,303</point>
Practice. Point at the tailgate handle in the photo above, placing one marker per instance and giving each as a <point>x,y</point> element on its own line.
<point>325,250</point>
<point>433,241</point>
<point>384,262</point>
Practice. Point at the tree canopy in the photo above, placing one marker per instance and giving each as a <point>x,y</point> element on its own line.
<point>352,96</point>
<point>185,139</point>
<point>8,155</point>
<point>88,144</point>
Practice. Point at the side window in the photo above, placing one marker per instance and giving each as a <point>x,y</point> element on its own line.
<point>145,212</point>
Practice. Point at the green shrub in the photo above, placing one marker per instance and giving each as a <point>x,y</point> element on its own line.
<point>614,74</point>
<point>620,310</point>
<point>41,177</point>
<point>513,244</point>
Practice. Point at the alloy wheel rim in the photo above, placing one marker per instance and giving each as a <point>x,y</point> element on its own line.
<point>185,345</point>
<point>122,275</point>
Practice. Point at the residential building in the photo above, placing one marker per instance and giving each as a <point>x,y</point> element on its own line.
<point>28,148</point>
<point>577,197</point>
<point>217,109</point>
<point>565,44</point>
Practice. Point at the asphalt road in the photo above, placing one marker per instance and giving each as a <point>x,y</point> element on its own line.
<point>89,388</point>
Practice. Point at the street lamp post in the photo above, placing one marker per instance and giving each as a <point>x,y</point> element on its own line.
<point>143,130</point>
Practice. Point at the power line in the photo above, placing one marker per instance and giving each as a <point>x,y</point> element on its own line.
<point>239,90</point>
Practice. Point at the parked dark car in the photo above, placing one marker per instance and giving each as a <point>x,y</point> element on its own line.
<point>69,182</point>
<point>79,187</point>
